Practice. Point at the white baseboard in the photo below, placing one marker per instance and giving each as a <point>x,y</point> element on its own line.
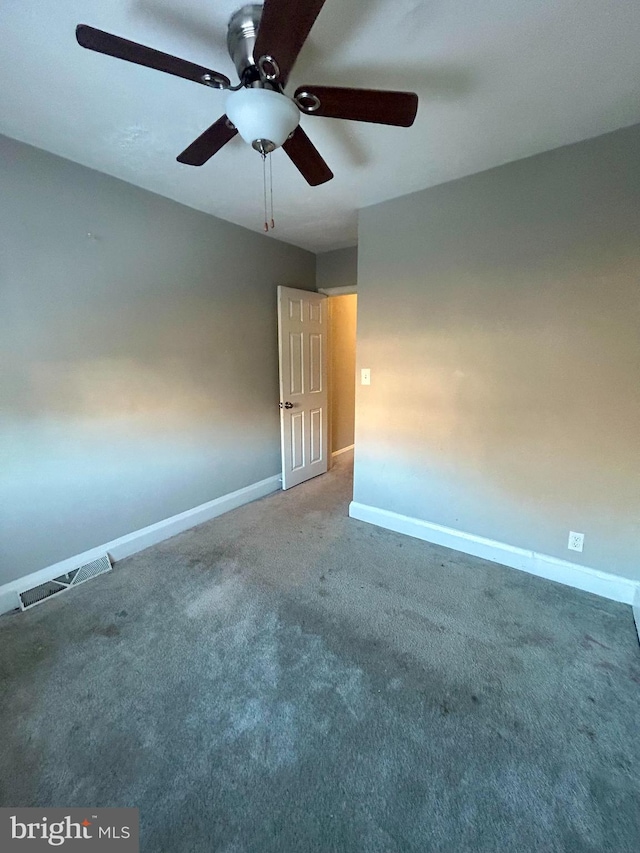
<point>131,543</point>
<point>343,450</point>
<point>607,585</point>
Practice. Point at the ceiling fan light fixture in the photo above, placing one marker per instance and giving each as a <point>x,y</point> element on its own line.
<point>262,114</point>
<point>264,40</point>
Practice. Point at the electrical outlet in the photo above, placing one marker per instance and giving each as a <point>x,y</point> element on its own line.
<point>576,541</point>
<point>365,376</point>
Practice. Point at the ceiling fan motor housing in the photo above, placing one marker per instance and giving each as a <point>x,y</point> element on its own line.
<point>241,37</point>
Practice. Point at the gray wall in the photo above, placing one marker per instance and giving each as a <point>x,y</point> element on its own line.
<point>500,317</point>
<point>138,365</point>
<point>338,268</point>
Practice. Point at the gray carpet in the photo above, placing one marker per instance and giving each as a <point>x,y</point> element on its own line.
<point>286,679</point>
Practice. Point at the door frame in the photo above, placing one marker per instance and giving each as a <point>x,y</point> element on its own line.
<point>347,290</point>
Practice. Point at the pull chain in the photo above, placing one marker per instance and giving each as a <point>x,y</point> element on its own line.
<point>273,224</point>
<point>264,190</point>
<point>264,185</point>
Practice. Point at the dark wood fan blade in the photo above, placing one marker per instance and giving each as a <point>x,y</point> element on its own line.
<point>305,157</point>
<point>284,27</point>
<point>397,108</point>
<point>121,48</point>
<point>208,143</point>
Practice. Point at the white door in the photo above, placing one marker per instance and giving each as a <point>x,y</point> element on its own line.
<point>302,345</point>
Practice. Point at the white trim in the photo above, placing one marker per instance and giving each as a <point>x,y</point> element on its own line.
<point>636,610</point>
<point>607,585</point>
<point>131,543</point>
<point>345,290</point>
<point>343,450</point>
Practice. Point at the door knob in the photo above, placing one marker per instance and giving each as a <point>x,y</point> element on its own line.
<point>286,405</point>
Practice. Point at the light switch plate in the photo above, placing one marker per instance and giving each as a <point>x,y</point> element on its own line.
<point>365,376</point>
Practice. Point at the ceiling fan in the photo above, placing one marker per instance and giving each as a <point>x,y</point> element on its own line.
<point>264,42</point>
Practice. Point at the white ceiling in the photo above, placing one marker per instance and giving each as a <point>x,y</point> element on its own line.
<point>497,80</point>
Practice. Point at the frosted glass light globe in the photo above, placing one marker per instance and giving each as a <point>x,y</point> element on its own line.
<point>262,114</point>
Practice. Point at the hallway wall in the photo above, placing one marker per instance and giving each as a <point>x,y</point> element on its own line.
<point>342,319</point>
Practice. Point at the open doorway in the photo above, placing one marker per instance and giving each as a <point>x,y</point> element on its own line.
<point>342,372</point>
<point>317,356</point>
